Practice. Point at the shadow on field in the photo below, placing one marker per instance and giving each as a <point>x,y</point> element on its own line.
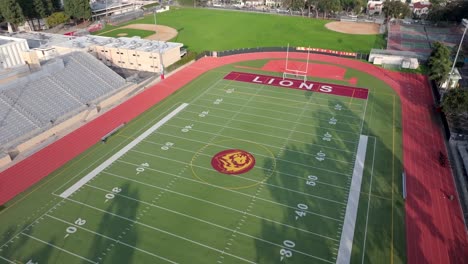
<point>112,226</point>
<point>19,243</point>
<point>44,252</point>
<point>327,220</point>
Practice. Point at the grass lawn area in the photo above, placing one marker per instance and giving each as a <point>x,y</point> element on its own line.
<point>218,30</point>
<point>129,33</point>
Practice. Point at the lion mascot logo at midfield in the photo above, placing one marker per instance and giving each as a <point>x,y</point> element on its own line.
<point>233,161</point>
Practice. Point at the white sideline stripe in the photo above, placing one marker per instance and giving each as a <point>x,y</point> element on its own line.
<point>59,248</point>
<point>121,152</point>
<point>347,235</point>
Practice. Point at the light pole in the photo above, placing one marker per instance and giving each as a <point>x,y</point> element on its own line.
<point>154,15</point>
<point>465,24</point>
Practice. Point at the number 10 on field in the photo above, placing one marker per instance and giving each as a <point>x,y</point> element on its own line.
<point>141,168</point>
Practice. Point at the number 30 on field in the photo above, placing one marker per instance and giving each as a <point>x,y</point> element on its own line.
<point>285,252</point>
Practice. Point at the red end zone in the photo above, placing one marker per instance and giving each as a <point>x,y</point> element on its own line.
<point>334,89</point>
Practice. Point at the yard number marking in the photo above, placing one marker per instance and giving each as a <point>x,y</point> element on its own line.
<point>338,107</point>
<point>301,212</point>
<point>327,137</point>
<point>203,114</point>
<point>285,252</point>
<point>141,168</point>
<point>186,129</point>
<point>311,181</point>
<point>167,146</point>
<point>72,229</point>
<point>218,101</point>
<point>229,91</point>
<point>320,156</point>
<point>332,121</point>
<point>111,195</point>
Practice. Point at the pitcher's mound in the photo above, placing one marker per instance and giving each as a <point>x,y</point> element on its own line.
<point>354,27</point>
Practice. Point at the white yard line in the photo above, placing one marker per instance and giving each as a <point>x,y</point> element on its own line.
<point>245,178</point>
<point>300,93</point>
<point>278,119</point>
<point>228,190</point>
<point>264,144</point>
<point>8,260</point>
<point>347,235</point>
<point>352,116</point>
<point>274,126</point>
<point>110,151</point>
<point>254,153</point>
<point>110,238</point>
<point>121,152</point>
<point>197,219</point>
<point>222,206</point>
<point>157,229</point>
<point>308,166</point>
<point>59,248</point>
<point>209,168</point>
<point>368,203</point>
<point>259,124</point>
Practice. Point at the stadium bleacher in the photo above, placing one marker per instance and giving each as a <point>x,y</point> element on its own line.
<point>32,106</point>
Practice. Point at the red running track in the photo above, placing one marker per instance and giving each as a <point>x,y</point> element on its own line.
<point>434,225</point>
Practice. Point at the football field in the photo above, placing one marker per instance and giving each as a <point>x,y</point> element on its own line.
<point>244,171</point>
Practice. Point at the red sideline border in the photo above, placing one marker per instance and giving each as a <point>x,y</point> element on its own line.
<point>435,229</point>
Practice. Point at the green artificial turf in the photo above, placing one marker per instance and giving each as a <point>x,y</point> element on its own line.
<point>162,201</point>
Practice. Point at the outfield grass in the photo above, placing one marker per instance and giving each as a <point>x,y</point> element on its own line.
<point>163,201</point>
<point>218,30</point>
<point>129,33</point>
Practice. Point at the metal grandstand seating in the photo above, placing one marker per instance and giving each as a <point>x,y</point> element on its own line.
<point>27,106</point>
<point>12,123</point>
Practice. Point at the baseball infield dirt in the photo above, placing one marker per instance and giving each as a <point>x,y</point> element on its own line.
<point>354,28</point>
<point>163,33</point>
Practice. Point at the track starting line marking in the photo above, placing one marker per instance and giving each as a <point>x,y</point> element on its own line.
<point>121,152</point>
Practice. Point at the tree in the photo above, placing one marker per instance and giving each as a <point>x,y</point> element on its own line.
<point>77,9</point>
<point>312,5</point>
<point>448,11</point>
<point>56,4</point>
<point>329,6</point>
<point>354,6</point>
<point>12,12</point>
<point>40,8</point>
<point>57,18</point>
<point>295,5</point>
<point>455,102</point>
<point>49,6</point>
<point>84,9</point>
<point>395,9</point>
<point>439,63</point>
<point>29,11</point>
